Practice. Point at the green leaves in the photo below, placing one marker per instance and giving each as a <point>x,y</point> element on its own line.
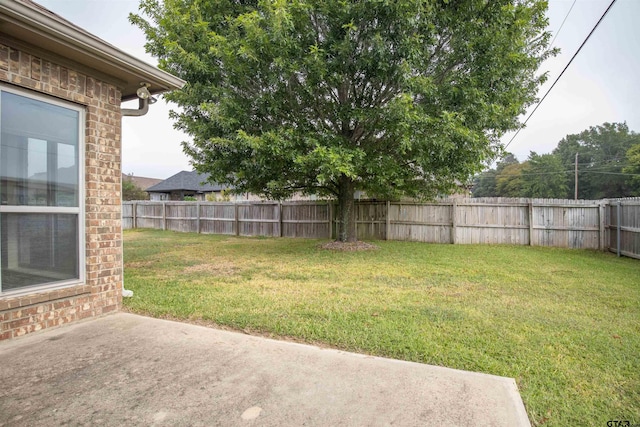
<point>545,177</point>
<point>607,156</point>
<point>602,155</point>
<point>633,168</point>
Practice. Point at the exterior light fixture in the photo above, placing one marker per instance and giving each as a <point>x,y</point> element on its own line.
<point>143,91</point>
<point>144,100</point>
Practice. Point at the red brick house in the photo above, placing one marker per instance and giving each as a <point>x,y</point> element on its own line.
<point>60,167</point>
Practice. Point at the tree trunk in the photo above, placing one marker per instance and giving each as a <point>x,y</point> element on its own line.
<point>346,211</point>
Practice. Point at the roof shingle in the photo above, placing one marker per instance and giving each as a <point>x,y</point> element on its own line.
<point>184,180</point>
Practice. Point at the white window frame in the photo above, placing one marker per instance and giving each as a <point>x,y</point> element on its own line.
<point>79,210</point>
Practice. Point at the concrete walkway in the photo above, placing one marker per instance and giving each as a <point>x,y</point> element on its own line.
<point>126,369</point>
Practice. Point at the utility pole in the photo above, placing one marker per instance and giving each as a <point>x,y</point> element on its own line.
<point>575,194</point>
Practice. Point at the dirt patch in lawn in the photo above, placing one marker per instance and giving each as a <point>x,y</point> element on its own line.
<point>141,264</point>
<point>349,246</point>
<point>214,269</point>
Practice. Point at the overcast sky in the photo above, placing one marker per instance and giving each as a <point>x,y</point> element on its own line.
<point>601,85</point>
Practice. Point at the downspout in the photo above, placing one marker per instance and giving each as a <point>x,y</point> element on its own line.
<point>143,108</point>
<point>144,99</point>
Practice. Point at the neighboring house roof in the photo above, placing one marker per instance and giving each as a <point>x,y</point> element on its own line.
<point>190,181</point>
<point>27,21</point>
<point>141,181</point>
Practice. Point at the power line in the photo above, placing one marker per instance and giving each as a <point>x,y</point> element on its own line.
<point>544,173</point>
<point>603,167</point>
<point>563,21</point>
<point>561,74</point>
<point>582,172</point>
<point>612,173</point>
<point>596,170</point>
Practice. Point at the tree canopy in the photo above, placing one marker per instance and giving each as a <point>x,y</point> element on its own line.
<point>509,182</point>
<point>633,168</point>
<point>608,167</point>
<point>544,177</point>
<point>394,98</point>
<point>130,191</point>
<point>601,157</point>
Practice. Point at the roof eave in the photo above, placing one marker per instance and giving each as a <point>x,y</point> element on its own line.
<point>35,27</point>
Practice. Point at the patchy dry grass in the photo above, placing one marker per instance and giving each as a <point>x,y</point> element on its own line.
<point>564,323</point>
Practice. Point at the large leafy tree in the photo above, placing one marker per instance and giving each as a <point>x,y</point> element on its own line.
<point>510,182</point>
<point>486,183</point>
<point>544,177</point>
<point>602,152</point>
<point>632,169</point>
<point>395,98</point>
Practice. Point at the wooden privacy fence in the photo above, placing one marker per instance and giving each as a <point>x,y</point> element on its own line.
<point>539,222</point>
<point>585,224</point>
<point>623,226</point>
<point>296,219</point>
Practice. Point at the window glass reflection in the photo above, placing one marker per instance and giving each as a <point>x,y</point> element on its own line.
<point>37,249</point>
<point>38,153</point>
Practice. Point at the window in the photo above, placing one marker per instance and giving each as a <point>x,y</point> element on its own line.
<point>41,192</point>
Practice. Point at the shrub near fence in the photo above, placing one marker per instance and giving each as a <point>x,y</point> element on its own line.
<point>584,224</point>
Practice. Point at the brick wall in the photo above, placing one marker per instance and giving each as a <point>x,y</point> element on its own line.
<point>102,290</point>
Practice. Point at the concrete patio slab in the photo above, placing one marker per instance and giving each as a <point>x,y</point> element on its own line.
<point>125,369</point>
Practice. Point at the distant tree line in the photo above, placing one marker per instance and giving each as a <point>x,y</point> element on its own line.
<point>608,167</point>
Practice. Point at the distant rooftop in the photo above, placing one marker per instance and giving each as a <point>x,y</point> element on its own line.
<point>191,181</point>
<point>141,182</point>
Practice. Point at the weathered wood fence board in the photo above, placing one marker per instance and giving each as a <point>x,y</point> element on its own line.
<point>371,220</point>
<point>420,222</point>
<point>127,215</point>
<point>580,224</point>
<point>309,220</point>
<point>258,219</point>
<point>181,217</point>
<point>491,223</point>
<point>623,227</point>
<point>218,218</point>
<point>567,226</point>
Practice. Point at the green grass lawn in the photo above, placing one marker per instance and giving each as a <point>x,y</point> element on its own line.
<point>564,323</point>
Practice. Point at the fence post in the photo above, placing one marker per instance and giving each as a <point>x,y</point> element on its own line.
<point>601,212</point>
<point>134,220</point>
<point>198,217</point>
<point>530,222</point>
<point>388,226</point>
<point>618,216</point>
<point>236,221</point>
<point>280,216</point>
<point>164,215</point>
<point>330,207</point>
<point>454,207</point>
